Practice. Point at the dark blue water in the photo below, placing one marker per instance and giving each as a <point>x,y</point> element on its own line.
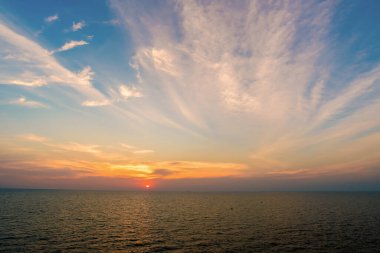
<point>92,221</point>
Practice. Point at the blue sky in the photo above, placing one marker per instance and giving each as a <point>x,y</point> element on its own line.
<point>223,95</point>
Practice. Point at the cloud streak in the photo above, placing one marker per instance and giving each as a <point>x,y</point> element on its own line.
<point>70,45</point>
<point>22,101</point>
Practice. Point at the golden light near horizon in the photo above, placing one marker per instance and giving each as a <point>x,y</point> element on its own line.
<point>147,186</point>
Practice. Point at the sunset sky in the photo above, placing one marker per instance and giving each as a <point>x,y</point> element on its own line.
<point>190,95</point>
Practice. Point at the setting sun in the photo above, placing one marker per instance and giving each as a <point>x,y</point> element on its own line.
<point>147,186</point>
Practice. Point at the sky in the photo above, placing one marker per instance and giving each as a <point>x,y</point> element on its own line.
<point>190,95</point>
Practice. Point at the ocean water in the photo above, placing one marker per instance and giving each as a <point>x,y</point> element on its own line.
<point>100,221</point>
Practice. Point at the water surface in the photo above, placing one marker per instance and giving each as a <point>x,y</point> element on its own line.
<point>93,221</point>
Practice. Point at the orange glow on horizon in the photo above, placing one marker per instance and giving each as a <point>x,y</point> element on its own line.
<point>147,186</point>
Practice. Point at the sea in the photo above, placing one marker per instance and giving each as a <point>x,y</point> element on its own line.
<point>118,221</point>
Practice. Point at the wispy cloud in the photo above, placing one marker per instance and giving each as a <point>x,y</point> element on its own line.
<point>51,19</point>
<point>212,69</point>
<point>86,74</point>
<point>32,83</point>
<point>33,137</point>
<point>71,44</point>
<point>67,146</point>
<point>112,22</point>
<point>78,147</point>
<point>78,26</point>
<point>36,66</point>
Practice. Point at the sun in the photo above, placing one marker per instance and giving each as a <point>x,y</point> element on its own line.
<point>147,186</point>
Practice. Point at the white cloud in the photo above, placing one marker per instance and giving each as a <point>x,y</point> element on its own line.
<point>354,90</point>
<point>129,92</point>
<point>52,18</point>
<point>32,83</point>
<point>33,65</point>
<point>71,44</point>
<point>78,26</point>
<point>220,59</point>
<point>160,59</point>
<point>28,103</point>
